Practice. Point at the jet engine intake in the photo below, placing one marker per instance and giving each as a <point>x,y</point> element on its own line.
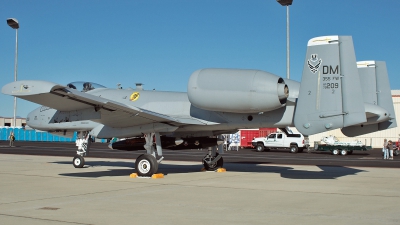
<point>237,90</point>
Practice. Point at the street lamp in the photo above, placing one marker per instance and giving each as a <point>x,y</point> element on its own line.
<point>287,3</point>
<point>13,23</point>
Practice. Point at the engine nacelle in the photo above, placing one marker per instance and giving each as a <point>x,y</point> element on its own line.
<point>236,90</point>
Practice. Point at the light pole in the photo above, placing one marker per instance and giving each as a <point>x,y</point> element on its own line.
<point>287,3</point>
<point>13,23</point>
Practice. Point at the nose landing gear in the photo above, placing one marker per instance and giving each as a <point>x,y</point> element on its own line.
<point>78,161</point>
<point>83,148</point>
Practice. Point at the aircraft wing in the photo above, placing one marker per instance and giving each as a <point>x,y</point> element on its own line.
<point>107,112</point>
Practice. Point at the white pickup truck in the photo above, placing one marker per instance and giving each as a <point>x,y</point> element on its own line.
<point>292,142</point>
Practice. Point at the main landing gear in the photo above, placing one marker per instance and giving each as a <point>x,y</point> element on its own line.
<point>147,164</point>
<point>212,161</point>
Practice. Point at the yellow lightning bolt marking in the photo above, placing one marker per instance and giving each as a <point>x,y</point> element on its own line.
<point>21,90</point>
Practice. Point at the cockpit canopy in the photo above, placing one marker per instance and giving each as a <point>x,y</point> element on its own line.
<point>84,86</point>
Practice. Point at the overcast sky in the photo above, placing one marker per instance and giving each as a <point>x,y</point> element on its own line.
<point>161,42</point>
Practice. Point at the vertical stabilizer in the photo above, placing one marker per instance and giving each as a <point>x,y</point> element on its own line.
<point>377,99</point>
<point>384,95</point>
<point>330,94</point>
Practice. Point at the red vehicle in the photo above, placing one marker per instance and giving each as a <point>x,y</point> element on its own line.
<point>247,136</point>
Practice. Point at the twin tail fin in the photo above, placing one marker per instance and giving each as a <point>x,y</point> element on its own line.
<point>336,93</point>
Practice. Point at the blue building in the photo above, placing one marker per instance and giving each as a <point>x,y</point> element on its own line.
<point>32,135</point>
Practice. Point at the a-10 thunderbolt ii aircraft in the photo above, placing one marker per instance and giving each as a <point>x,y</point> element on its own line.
<point>335,92</point>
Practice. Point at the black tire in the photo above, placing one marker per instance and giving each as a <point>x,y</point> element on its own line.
<point>260,147</point>
<point>343,152</point>
<point>214,166</point>
<point>294,149</point>
<point>146,165</point>
<point>396,152</point>
<point>78,161</point>
<point>335,152</point>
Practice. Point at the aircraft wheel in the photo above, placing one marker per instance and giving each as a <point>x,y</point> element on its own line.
<point>343,152</point>
<point>335,152</point>
<point>294,149</point>
<point>260,147</point>
<point>146,165</point>
<point>78,161</point>
<point>214,166</point>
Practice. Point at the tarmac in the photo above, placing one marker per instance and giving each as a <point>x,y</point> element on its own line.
<point>49,190</point>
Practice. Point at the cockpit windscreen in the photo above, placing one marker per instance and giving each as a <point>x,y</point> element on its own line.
<point>84,86</point>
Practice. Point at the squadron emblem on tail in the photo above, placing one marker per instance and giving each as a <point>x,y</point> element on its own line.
<point>314,59</point>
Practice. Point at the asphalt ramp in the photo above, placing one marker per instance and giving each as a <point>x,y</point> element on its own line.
<point>49,190</point>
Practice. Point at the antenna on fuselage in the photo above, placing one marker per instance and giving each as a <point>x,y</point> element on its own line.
<point>139,86</point>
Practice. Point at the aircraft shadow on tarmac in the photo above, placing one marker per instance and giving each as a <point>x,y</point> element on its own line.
<point>325,172</point>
